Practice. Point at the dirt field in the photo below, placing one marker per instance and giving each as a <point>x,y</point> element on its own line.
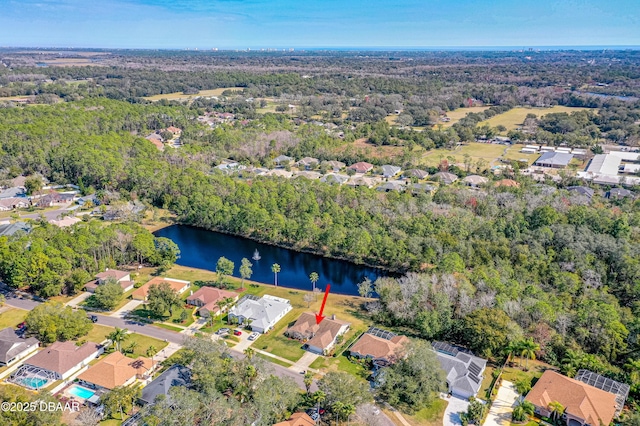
<point>182,97</point>
<point>515,117</point>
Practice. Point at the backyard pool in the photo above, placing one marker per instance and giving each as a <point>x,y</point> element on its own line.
<point>80,392</point>
<point>33,382</point>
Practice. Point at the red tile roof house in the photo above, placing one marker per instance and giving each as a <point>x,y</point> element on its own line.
<point>179,286</point>
<point>318,338</point>
<point>383,347</point>
<point>361,167</point>
<point>63,359</point>
<point>207,298</point>
<point>297,419</point>
<point>122,277</point>
<point>584,404</point>
<point>175,130</point>
<point>117,370</point>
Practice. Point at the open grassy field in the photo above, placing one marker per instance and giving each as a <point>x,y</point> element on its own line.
<point>477,151</point>
<point>179,96</point>
<point>12,317</point>
<point>430,416</point>
<point>459,113</point>
<point>98,333</point>
<point>515,117</point>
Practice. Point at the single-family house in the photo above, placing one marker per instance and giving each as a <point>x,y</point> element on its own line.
<point>62,359</point>
<point>334,165</point>
<point>309,175</point>
<point>317,338</point>
<point>509,183</point>
<point>55,199</point>
<point>556,160</point>
<point>334,178</point>
<point>422,188</point>
<point>179,286</point>
<point>617,193</point>
<point>362,181</point>
<point>583,404</point>
<point>308,163</point>
<point>177,375</point>
<point>463,370</point>
<point>91,199</point>
<point>14,191</point>
<point>176,131</point>
<point>9,229</point>
<point>361,167</point>
<point>620,390</point>
<point>381,346</point>
<point>65,222</point>
<point>475,180</point>
<point>116,370</point>
<point>282,160</point>
<point>415,173</point>
<point>297,419</point>
<point>121,277</point>
<point>7,204</point>
<point>391,186</point>
<point>13,347</point>
<point>446,177</point>
<point>389,171</point>
<point>279,173</point>
<point>262,313</point>
<point>582,190</point>
<point>207,298</point>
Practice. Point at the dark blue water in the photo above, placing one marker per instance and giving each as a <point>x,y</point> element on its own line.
<point>201,249</point>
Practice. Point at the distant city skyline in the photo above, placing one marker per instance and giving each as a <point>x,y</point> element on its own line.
<point>241,24</point>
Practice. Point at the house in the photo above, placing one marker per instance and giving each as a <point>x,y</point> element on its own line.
<point>15,191</point>
<point>391,186</point>
<point>121,277</point>
<point>55,199</point>
<point>13,348</point>
<point>179,286</point>
<point>317,338</point>
<point>555,160</point>
<point>415,173</point>
<point>176,131</point>
<point>361,167</point>
<point>116,370</point>
<point>334,178</point>
<point>308,163</point>
<point>297,419</point>
<point>279,173</point>
<point>390,171</point>
<point>579,153</point>
<point>207,298</point>
<point>362,181</point>
<point>383,347</point>
<point>62,359</point>
<point>9,229</point>
<point>475,180</point>
<point>463,370</point>
<point>88,199</point>
<point>156,140</point>
<point>334,165</point>
<point>509,183</point>
<point>177,375</point>
<point>261,314</point>
<point>582,190</point>
<point>66,221</point>
<point>421,188</point>
<point>620,390</point>
<point>446,177</point>
<point>617,193</point>
<point>7,204</point>
<point>308,175</point>
<point>282,160</point>
<point>584,404</point>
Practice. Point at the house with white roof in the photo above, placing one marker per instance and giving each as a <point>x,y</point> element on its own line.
<point>261,314</point>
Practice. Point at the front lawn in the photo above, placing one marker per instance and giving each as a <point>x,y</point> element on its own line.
<point>143,343</point>
<point>430,416</point>
<point>12,317</point>
<point>516,373</point>
<point>142,312</point>
<point>98,333</point>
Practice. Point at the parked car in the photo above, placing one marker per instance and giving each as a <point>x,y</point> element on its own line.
<point>313,414</point>
<point>237,332</point>
<point>254,335</point>
<point>22,325</point>
<point>223,331</point>
<point>93,318</point>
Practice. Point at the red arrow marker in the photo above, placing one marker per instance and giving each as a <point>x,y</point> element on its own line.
<point>319,316</point>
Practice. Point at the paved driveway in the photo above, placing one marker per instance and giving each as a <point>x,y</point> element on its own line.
<point>500,411</point>
<point>453,410</point>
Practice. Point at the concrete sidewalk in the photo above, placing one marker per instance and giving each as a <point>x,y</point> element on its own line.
<point>130,306</point>
<point>79,299</point>
<point>502,407</point>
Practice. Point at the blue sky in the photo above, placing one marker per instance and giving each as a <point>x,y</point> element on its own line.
<point>317,23</point>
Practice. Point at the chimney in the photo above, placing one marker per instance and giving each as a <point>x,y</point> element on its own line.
<point>333,317</point>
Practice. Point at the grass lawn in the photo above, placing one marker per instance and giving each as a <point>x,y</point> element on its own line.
<point>181,96</point>
<point>168,327</point>
<point>430,416</point>
<point>175,318</point>
<point>516,373</point>
<point>98,333</point>
<point>143,343</point>
<point>514,154</point>
<point>486,382</point>
<point>477,151</point>
<point>459,113</point>
<point>273,360</point>
<point>516,116</point>
<point>12,317</point>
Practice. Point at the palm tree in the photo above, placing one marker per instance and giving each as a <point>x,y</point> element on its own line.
<point>528,350</point>
<point>313,277</point>
<point>151,350</point>
<point>249,352</point>
<point>275,268</point>
<point>571,361</point>
<point>557,410</point>
<point>510,350</point>
<point>118,336</point>
<point>308,381</point>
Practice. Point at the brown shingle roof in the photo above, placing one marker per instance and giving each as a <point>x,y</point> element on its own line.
<point>319,335</point>
<point>116,370</point>
<point>62,357</point>
<point>143,291</point>
<point>379,348</point>
<point>297,419</point>
<point>112,273</point>
<point>586,402</point>
<point>209,296</point>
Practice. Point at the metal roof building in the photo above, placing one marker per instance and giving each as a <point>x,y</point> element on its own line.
<point>604,164</point>
<point>557,160</point>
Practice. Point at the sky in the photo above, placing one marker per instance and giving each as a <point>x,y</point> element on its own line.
<point>239,24</point>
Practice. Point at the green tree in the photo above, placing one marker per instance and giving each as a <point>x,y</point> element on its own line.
<point>120,400</point>
<point>275,268</point>
<point>245,270</point>
<point>33,185</point>
<point>475,412</point>
<point>414,381</point>
<point>108,295</point>
<point>557,410</point>
<point>162,298</point>
<point>365,288</point>
<point>224,268</point>
<point>118,336</point>
<point>53,321</point>
<point>528,349</point>
<point>522,411</point>
<point>308,381</point>
<point>340,387</point>
<point>151,351</point>
<point>313,277</point>
<point>488,330</point>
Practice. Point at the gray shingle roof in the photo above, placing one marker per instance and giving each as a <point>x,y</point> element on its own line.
<point>177,375</point>
<point>463,370</point>
<point>12,345</point>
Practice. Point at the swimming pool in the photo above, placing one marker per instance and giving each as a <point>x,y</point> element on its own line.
<point>80,392</point>
<point>34,382</point>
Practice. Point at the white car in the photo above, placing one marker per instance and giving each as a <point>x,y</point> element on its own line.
<point>254,335</point>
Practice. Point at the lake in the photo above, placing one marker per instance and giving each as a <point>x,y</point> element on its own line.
<point>201,249</point>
